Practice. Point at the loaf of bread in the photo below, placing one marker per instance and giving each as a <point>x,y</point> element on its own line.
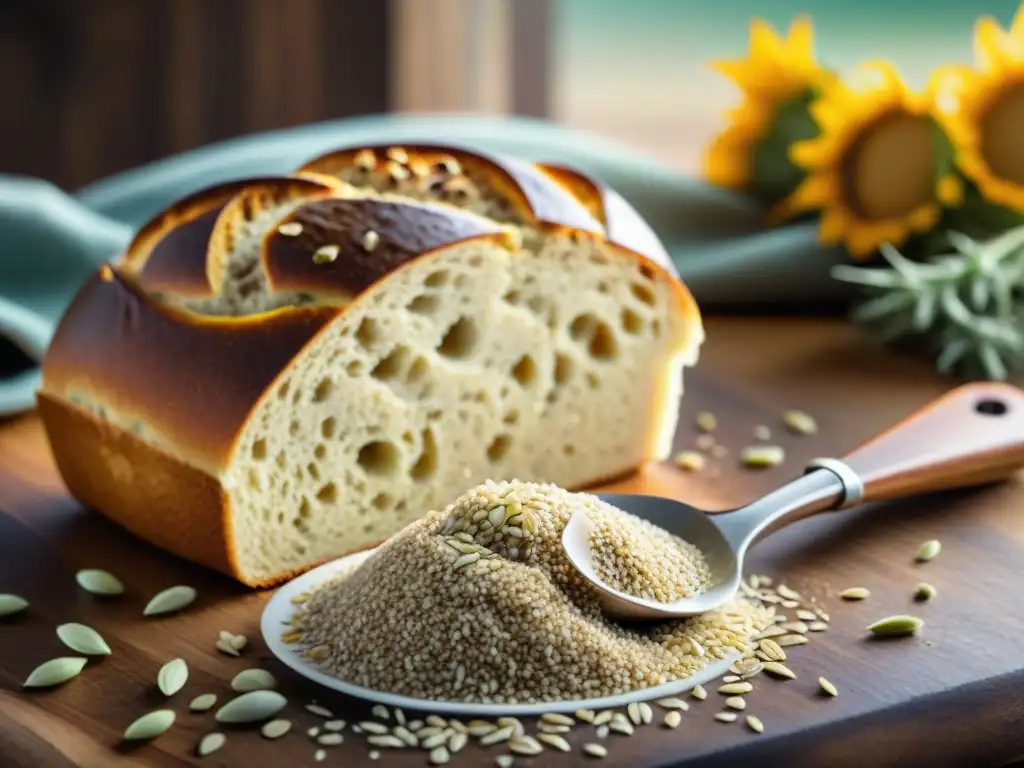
<point>281,370</point>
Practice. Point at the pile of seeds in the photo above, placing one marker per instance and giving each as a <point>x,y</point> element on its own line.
<point>480,603</point>
<point>639,558</point>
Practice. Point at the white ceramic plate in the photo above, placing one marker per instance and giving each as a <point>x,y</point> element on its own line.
<point>280,607</point>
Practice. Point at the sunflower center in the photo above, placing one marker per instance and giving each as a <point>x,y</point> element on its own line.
<point>1001,143</point>
<point>889,171</point>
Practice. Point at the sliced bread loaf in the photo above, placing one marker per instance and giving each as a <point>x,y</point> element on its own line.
<point>281,370</point>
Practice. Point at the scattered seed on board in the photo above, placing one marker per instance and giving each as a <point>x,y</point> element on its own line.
<point>380,712</point>
<point>438,755</point>
<point>772,649</point>
<point>457,742</point>
<point>690,461</point>
<point>330,739</point>
<point>12,604</point>
<point>253,680</point>
<point>554,740</point>
<point>928,551</point>
<point>210,743</point>
<point>99,582</point>
<point>699,693</point>
<point>386,740</point>
<point>895,626</point>
<point>313,732</point>
<point>316,709</point>
<point>55,672</point>
<point>633,712</point>
<point>733,689</point>
<point>170,600</point>
<point>787,640</point>
<point>275,729</point>
<point>525,745</point>
<point>498,736</point>
<point>855,593</point>
<point>585,715</point>
<point>672,703</point>
<point>595,750</point>
<point>827,687</point>
<point>736,702</point>
<point>556,718</point>
<point>601,731</point>
<point>225,646</point>
<point>731,678</point>
<point>334,725</point>
<point>799,422</point>
<point>203,702</point>
<point>755,724</point>
<point>706,421</point>
<point>374,754</point>
<point>924,591</point>
<point>804,615</point>
<point>150,725</point>
<point>551,728</point>
<point>779,670</point>
<point>673,718</point>
<point>622,726</point>
<point>504,761</point>
<point>762,456</point>
<point>252,707</point>
<point>172,677</point>
<point>817,626</point>
<point>726,717</point>
<point>83,639</point>
<point>369,726</point>
<point>320,755</point>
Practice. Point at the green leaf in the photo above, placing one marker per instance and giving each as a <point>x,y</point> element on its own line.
<point>774,176</point>
<point>952,354</point>
<point>882,306</point>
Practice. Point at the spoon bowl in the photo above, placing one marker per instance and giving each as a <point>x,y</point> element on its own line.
<point>972,435</point>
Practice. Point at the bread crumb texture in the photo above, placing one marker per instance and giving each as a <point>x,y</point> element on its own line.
<point>478,602</point>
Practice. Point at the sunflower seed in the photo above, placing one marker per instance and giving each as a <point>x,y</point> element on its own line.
<point>924,591</point>
<point>817,626</point>
<point>498,736</point>
<point>253,680</point>
<point>290,229</point>
<point>313,732</point>
<point>457,742</point>
<point>386,740</point>
<point>706,421</point>
<point>12,604</point>
<point>585,715</point>
<point>225,646</point>
<point>554,740</point>
<point>928,551</point>
<point>288,638</point>
<point>552,728</point>
<point>601,731</point>
<point>799,422</point>
<point>787,640</point>
<point>504,761</point>
<point>771,649</point>
<point>334,725</point>
<point>778,669</point>
<point>438,755</point>
<point>463,560</point>
<point>477,728</point>
<point>434,739</point>
<point>210,743</point>
<point>601,718</point>
<point>672,703</point>
<point>827,687</point>
<point>169,601</point>
<point>806,615</point>
<point>726,717</point>
<point>790,603</point>
<point>762,456</point>
<point>698,692</point>
<point>436,721</point>
<point>316,709</point>
<point>83,639</point>
<point>517,727</point>
<point>736,702</point>
<point>731,678</point>
<point>275,729</point>
<point>525,745</point>
<point>150,725</point>
<point>556,718</point>
<point>633,712</point>
<point>673,718</point>
<point>320,755</point>
<point>326,254</point>
<point>854,593</point>
<point>595,750</point>
<point>55,672</point>
<point>405,735</point>
<point>896,625</point>
<point>690,461</point>
<point>369,726</point>
<point>251,707</point>
<point>99,582</point>
<point>731,689</point>
<point>414,725</point>
<point>754,723</point>
<point>172,677</point>
<point>203,703</point>
<point>330,739</point>
<point>318,653</point>
<point>622,726</point>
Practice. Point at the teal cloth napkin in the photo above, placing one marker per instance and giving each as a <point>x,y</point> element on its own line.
<point>50,242</point>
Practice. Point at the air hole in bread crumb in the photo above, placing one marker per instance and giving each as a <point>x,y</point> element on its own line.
<point>254,480</point>
<point>583,327</point>
<point>328,427</point>
<point>460,340</point>
<point>460,281</point>
<point>381,501</point>
<point>426,464</point>
<point>563,368</point>
<point>525,371</point>
<point>313,470</point>
<point>417,370</point>
<point>323,390</point>
<point>301,521</point>
<point>424,304</point>
<point>569,449</point>
<point>434,415</point>
<point>592,380</point>
<point>602,287</point>
<point>647,272</point>
<point>601,343</point>
<point>513,297</point>
<point>328,494</point>
<point>537,305</point>
<point>407,437</point>
<point>282,391</point>
<point>476,261</point>
<point>656,328</point>
<point>393,365</point>
<point>320,451</point>
<point>499,447</point>
<point>281,460</point>
<point>596,257</point>
<point>643,293</point>
<point>259,449</point>
<point>354,368</point>
<point>438,278</point>
<point>299,474</point>
<point>379,458</point>
<point>368,333</point>
<point>632,323</point>
<point>512,417</point>
<point>293,428</point>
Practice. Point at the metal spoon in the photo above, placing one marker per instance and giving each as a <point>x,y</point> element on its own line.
<point>972,435</point>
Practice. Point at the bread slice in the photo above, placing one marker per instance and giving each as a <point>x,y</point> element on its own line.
<point>358,345</point>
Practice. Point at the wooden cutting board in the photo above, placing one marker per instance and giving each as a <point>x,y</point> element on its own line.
<point>954,696</point>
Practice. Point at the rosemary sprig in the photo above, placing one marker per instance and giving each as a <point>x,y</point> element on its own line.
<point>966,307</point>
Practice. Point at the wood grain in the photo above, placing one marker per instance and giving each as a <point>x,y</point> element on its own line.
<point>954,696</point>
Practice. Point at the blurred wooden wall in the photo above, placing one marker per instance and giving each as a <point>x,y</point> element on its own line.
<point>92,87</point>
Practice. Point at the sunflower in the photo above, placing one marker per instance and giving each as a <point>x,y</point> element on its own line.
<point>778,79</point>
<point>880,170</point>
<point>984,113</point>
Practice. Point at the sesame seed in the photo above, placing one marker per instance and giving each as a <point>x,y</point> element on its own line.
<point>326,254</point>
<point>370,240</point>
<point>290,229</point>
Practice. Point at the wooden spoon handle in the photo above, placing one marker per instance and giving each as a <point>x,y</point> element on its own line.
<point>973,435</point>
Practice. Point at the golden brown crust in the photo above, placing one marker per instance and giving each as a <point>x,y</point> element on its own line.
<point>191,379</point>
<point>623,225</point>
<point>527,189</point>
<point>373,238</point>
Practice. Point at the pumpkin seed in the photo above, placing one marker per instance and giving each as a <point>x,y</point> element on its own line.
<point>83,639</point>
<point>172,677</point>
<point>622,726</point>
<point>772,649</point>
<point>99,582</point>
<point>928,551</point>
<point>210,743</point>
<point>731,689</point>
<point>150,725</point>
<point>673,718</point>
<point>556,719</point>
<point>924,591</point>
<point>800,422</point>
<point>736,702</point>
<point>585,715</point>
<point>779,670</point>
<point>554,740</point>
<point>672,703</point>
<point>762,456</point>
<point>253,680</point>
<point>633,712</point>
<point>251,707</point>
<point>524,745</point>
<point>203,702</point>
<point>438,755</point>
<point>699,693</point>
<point>854,593</point>
<point>787,640</point>
<point>817,626</point>
<point>12,604</point>
<point>755,724</point>
<point>892,626</point>
<point>595,750</point>
<point>55,672</point>
<point>457,742</point>
<point>170,600</point>
<point>827,687</point>
<point>726,717</point>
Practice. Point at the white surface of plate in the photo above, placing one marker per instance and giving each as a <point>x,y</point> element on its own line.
<point>280,608</point>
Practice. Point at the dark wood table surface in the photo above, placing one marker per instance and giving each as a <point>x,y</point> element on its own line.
<point>952,696</point>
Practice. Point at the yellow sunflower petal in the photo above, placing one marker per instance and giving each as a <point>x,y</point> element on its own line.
<point>801,38</point>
